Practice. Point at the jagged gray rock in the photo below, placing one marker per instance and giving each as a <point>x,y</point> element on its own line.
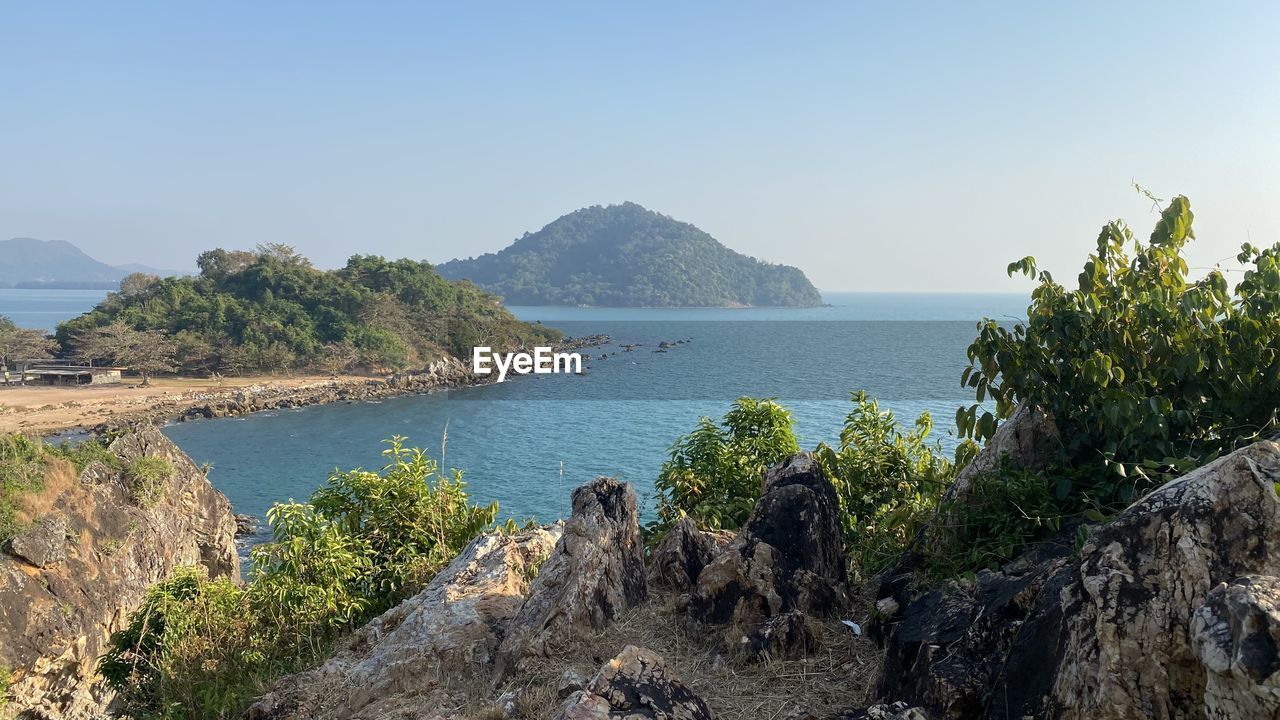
<point>398,661</point>
<point>788,556</point>
<point>595,572</point>
<point>635,685</point>
<point>683,552</point>
<point>42,544</point>
<point>1112,634</point>
<point>1236,636</point>
<point>787,636</point>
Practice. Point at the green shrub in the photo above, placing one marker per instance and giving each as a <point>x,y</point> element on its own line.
<point>888,482</point>
<point>1146,372</point>
<point>204,649</point>
<point>1005,511</point>
<point>148,477</point>
<point>715,474</point>
<point>194,649</point>
<point>82,454</point>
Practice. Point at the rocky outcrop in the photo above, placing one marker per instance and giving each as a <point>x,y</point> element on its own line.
<point>1236,636</point>
<point>683,552</point>
<point>595,572</point>
<point>788,636</point>
<point>1027,439</point>
<point>397,662</point>
<point>635,685</point>
<point>788,556</point>
<point>1151,620</point>
<point>85,564</point>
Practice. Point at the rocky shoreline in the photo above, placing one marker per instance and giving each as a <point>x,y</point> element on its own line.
<point>448,373</point>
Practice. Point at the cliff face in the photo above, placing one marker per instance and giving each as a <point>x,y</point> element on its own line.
<point>73,577</point>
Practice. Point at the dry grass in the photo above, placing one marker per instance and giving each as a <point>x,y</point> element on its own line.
<point>839,674</point>
<point>59,477</point>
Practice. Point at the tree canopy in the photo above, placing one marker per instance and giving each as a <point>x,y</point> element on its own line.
<point>271,310</point>
<point>627,256</point>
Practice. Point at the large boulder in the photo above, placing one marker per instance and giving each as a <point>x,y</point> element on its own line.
<point>42,544</point>
<point>1132,627</point>
<point>682,553</point>
<point>398,661</point>
<point>788,556</point>
<point>635,685</point>
<point>73,578</point>
<point>1236,635</point>
<point>595,573</point>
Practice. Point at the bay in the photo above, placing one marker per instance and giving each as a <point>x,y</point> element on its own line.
<point>527,442</point>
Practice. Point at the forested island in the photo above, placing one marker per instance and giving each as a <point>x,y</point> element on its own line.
<point>269,310</point>
<point>628,256</point>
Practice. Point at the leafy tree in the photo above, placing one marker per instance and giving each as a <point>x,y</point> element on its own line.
<point>716,473</point>
<point>137,283</point>
<point>271,311</point>
<point>1146,372</point>
<point>145,351</point>
<point>283,254</point>
<point>21,343</point>
<point>217,264</point>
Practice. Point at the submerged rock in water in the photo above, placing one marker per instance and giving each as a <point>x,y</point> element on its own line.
<point>595,573</point>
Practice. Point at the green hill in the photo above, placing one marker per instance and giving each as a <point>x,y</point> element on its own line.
<point>27,262</point>
<point>627,256</point>
<point>270,310</point>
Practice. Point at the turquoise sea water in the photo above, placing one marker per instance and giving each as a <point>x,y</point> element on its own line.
<point>527,442</point>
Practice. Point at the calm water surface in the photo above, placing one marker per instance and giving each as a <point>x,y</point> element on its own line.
<point>527,442</point>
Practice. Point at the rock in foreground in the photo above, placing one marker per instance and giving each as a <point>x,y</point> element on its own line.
<point>397,663</point>
<point>635,685</point>
<point>682,554</point>
<point>1132,629</point>
<point>788,556</point>
<point>595,572</point>
<point>72,578</point>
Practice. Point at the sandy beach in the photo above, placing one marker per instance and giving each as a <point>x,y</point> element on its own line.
<point>45,410</point>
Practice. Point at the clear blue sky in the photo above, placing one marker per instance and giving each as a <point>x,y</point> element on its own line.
<point>879,146</point>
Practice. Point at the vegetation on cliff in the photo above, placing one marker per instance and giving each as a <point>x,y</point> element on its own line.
<point>24,463</point>
<point>200,648</point>
<point>627,256</point>
<point>270,311</point>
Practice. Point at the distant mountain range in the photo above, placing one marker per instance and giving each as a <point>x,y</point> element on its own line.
<point>628,256</point>
<point>32,263</point>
